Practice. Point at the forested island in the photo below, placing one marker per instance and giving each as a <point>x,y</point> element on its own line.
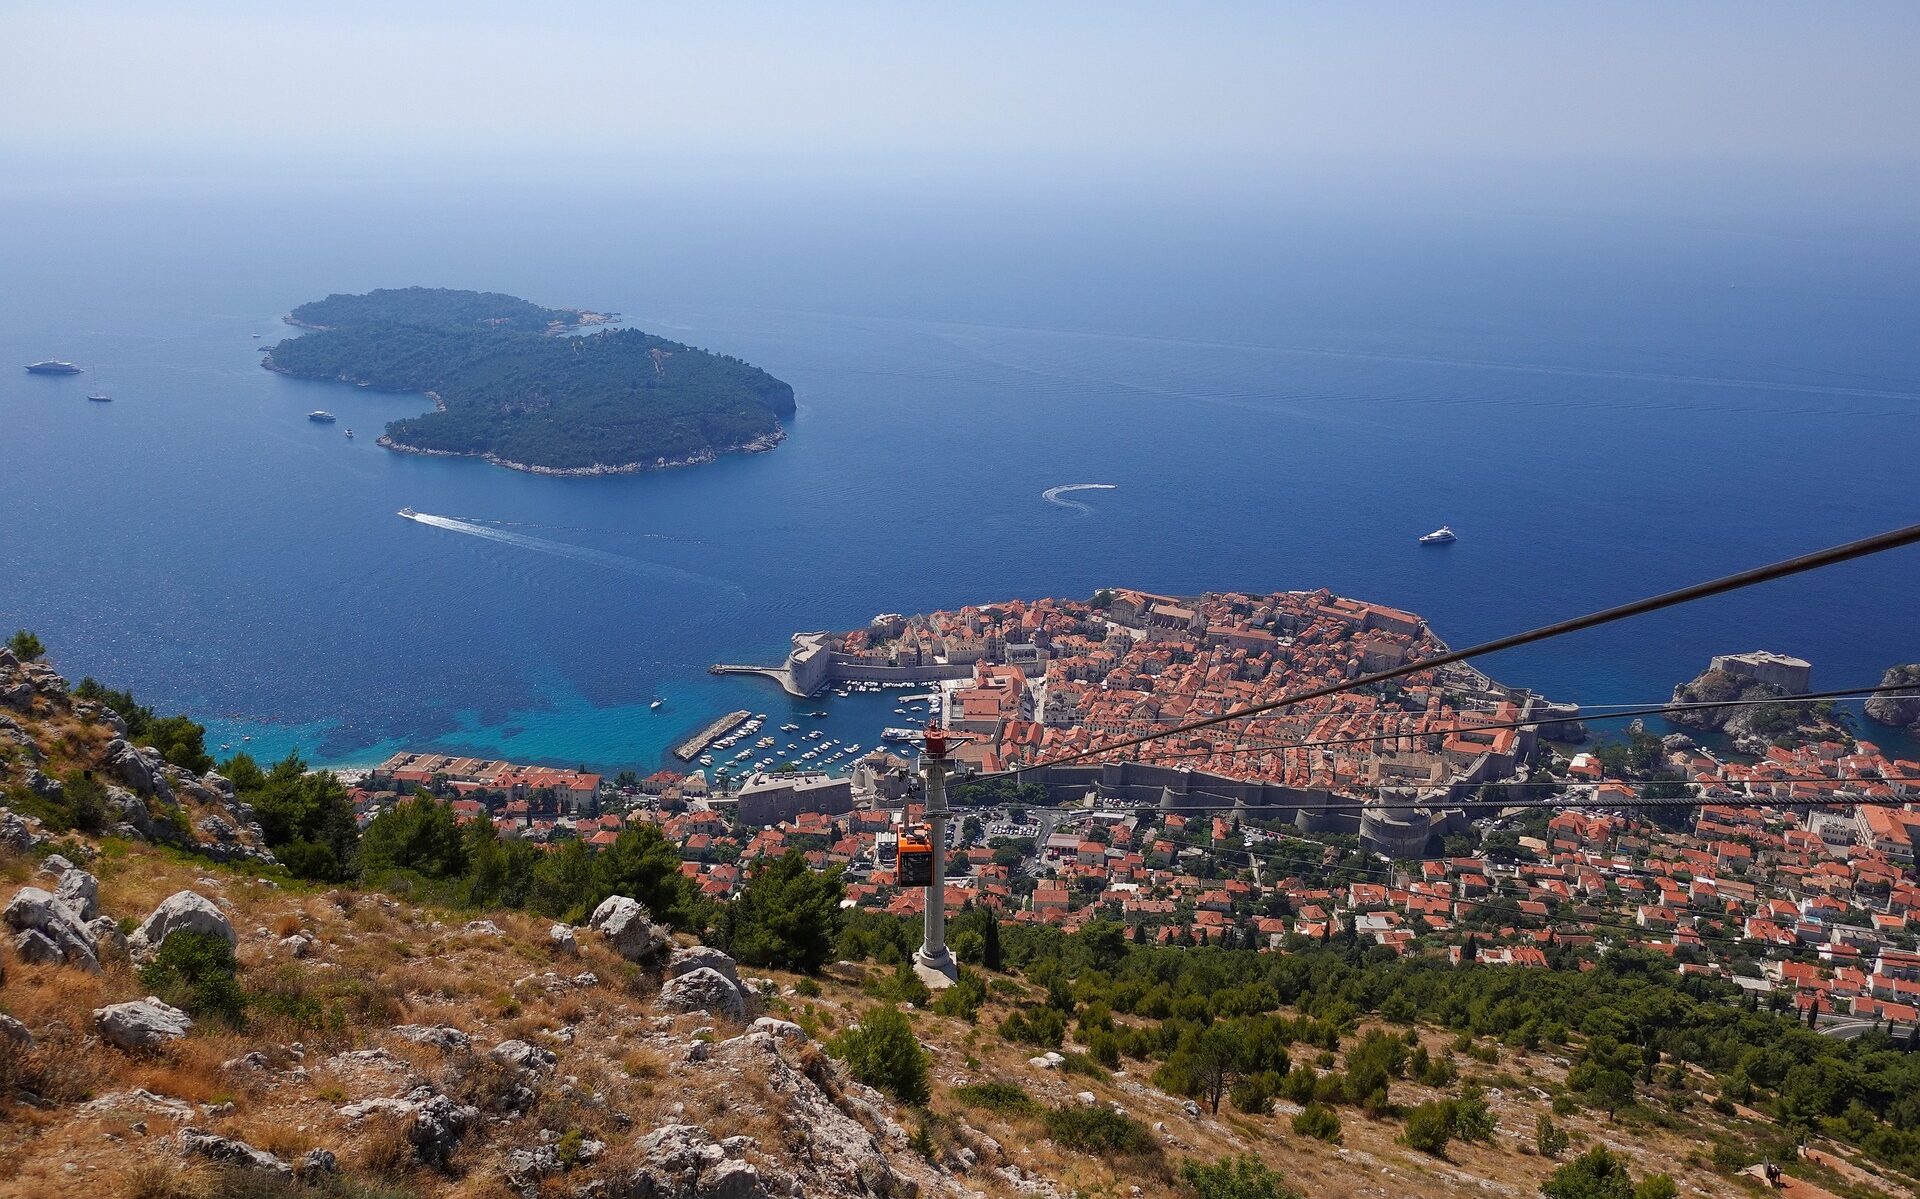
<point>523,386</point>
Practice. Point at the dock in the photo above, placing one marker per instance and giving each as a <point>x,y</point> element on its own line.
<point>779,674</point>
<point>691,748</point>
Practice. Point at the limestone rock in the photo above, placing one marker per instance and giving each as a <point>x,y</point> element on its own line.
<point>129,766</point>
<point>13,1030</point>
<point>108,940</point>
<point>528,1058</point>
<point>318,1163</point>
<point>19,833</point>
<point>181,912</point>
<point>79,891</point>
<point>560,936</point>
<point>703,989</point>
<point>693,957</point>
<point>229,1151</point>
<point>443,1037</point>
<point>140,1100</point>
<point>628,928</point>
<point>786,1030</point>
<point>141,1024</point>
<point>436,1123</point>
<point>1902,708</point>
<point>55,865</point>
<point>38,911</point>
<point>32,947</point>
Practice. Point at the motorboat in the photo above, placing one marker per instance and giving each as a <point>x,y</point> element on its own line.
<point>1439,536</point>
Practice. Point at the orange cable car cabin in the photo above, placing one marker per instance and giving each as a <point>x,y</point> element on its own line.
<point>915,862</point>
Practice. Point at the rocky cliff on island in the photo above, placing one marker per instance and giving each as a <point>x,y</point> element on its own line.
<point>1752,723</point>
<point>1902,708</point>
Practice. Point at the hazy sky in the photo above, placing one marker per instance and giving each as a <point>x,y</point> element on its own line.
<point>1141,82</point>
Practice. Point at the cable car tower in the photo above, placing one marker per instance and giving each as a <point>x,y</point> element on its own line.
<point>933,963</point>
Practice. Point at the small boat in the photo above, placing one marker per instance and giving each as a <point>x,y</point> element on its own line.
<point>349,433</point>
<point>409,513</point>
<point>52,366</point>
<point>1439,536</point>
<point>101,397</point>
<point>322,416</point>
<point>818,715</point>
<point>706,759</point>
<point>256,337</point>
<point>655,703</point>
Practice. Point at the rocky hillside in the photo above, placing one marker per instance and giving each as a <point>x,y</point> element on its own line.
<point>184,1019</point>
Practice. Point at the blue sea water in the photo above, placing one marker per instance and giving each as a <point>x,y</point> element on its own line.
<point>1282,396</point>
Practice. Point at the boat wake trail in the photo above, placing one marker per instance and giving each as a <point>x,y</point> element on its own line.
<point>579,553</point>
<point>1052,495</point>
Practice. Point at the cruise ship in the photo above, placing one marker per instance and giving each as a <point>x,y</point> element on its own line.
<point>53,367</point>
<point>1439,536</point>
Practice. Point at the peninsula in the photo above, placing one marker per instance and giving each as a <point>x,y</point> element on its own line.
<point>529,388</point>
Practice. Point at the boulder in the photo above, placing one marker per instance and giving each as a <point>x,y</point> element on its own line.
<point>33,948</point>
<point>54,865</point>
<point>487,927</point>
<point>318,1163</point>
<point>128,765</point>
<point>108,940</point>
<point>181,912</point>
<point>229,1151</point>
<point>37,911</point>
<point>443,1037</point>
<point>786,1030</point>
<point>79,891</point>
<point>436,1124</point>
<point>628,928</point>
<point>530,1059</point>
<point>141,1024</point>
<point>703,989</point>
<point>19,833</point>
<point>692,957</point>
<point>560,937</point>
<point>14,1031</point>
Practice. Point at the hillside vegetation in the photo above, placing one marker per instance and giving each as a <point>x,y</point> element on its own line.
<point>510,385</point>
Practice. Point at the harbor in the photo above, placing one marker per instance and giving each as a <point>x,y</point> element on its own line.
<point>691,748</point>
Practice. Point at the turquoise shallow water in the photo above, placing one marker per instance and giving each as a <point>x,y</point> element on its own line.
<point>1279,398</point>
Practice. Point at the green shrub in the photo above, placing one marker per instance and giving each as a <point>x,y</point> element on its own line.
<point>197,972</point>
<point>1006,1098</point>
<point>963,999</point>
<point>1098,1130</point>
<point>883,1052</point>
<point>1318,1121</point>
<point>1549,1138</point>
<point>26,646</point>
<point>1429,1128</point>
<point>1045,1027</point>
<point>1244,1177</point>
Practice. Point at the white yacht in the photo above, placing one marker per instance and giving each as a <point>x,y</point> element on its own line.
<point>1439,536</point>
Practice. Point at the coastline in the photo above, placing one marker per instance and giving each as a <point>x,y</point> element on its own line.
<point>758,445</point>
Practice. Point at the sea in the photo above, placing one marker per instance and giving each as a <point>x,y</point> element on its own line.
<point>1277,390</point>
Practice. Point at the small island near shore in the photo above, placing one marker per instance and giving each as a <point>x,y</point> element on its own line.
<point>529,388</point>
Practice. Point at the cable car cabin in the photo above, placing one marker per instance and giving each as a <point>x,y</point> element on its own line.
<point>915,862</point>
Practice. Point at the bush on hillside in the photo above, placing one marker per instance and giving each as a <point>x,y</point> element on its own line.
<point>1243,1177</point>
<point>197,972</point>
<point>882,1052</point>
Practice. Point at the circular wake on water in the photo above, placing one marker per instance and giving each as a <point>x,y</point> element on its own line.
<point>1052,495</point>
